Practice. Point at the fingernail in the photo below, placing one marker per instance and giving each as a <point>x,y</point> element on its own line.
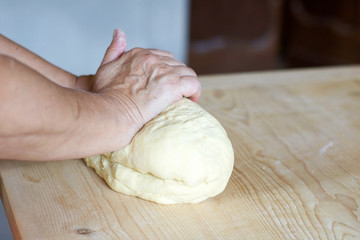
<point>121,35</point>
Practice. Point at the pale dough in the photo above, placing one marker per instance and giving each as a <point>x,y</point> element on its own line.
<point>181,156</point>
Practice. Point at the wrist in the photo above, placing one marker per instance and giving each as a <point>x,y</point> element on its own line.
<point>83,82</point>
<point>103,122</point>
<point>125,112</point>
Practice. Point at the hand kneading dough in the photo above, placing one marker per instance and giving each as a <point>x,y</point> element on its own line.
<point>181,156</point>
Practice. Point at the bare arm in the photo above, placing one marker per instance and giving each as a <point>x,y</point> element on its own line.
<point>41,120</point>
<point>48,70</point>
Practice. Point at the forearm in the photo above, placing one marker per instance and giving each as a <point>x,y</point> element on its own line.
<point>48,70</point>
<point>41,120</point>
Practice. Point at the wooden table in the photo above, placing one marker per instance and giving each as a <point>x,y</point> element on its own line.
<point>296,136</point>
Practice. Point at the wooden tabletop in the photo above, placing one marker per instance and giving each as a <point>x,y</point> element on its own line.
<point>296,137</point>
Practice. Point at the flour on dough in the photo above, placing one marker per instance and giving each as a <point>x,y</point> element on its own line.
<point>183,155</point>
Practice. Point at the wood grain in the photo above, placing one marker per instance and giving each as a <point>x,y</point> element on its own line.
<point>296,136</point>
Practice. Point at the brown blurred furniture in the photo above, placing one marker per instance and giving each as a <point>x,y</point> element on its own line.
<point>321,32</point>
<point>248,35</point>
<point>234,35</point>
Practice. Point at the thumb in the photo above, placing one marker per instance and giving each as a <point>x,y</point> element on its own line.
<point>117,47</point>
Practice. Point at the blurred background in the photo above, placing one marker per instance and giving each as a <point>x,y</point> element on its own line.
<point>253,35</point>
<point>211,36</point>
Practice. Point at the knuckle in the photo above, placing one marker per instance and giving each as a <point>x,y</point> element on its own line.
<point>135,51</point>
<point>165,53</point>
<point>150,58</point>
<point>192,71</point>
<point>161,70</point>
<point>169,54</point>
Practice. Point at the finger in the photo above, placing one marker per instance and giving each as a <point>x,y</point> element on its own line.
<point>184,71</point>
<point>174,72</point>
<point>190,87</point>
<point>171,61</point>
<point>162,53</point>
<point>117,47</point>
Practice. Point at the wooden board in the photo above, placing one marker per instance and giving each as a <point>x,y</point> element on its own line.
<point>296,136</point>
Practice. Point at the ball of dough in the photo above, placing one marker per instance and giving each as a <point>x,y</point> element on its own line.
<point>183,155</point>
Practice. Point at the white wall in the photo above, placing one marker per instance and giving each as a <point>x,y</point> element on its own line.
<point>74,34</point>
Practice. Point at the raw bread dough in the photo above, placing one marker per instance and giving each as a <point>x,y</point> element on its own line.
<point>181,156</point>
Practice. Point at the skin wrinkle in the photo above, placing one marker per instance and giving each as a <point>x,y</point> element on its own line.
<point>137,108</point>
<point>131,114</point>
<point>77,111</point>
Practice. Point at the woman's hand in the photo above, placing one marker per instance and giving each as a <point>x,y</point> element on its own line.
<point>144,81</point>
